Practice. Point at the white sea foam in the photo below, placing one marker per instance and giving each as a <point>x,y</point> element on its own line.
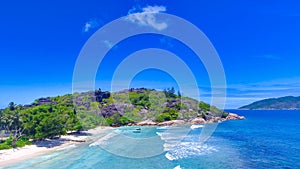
<point>173,136</point>
<point>168,136</point>
<point>159,133</point>
<point>164,128</point>
<point>177,142</point>
<point>170,145</point>
<point>170,139</point>
<point>169,157</point>
<point>180,144</point>
<point>189,149</point>
<point>177,167</point>
<point>196,126</point>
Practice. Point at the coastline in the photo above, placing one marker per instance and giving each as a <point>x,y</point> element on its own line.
<point>10,156</point>
<point>197,120</point>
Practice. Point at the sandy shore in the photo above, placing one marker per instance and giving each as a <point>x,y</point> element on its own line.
<point>42,147</point>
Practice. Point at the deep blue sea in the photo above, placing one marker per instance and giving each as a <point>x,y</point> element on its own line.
<point>266,139</point>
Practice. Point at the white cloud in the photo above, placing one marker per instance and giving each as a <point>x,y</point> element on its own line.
<point>87,27</point>
<point>154,9</point>
<point>93,23</point>
<point>147,17</point>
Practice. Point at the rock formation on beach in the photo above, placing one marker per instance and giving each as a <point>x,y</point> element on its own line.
<point>232,116</point>
<point>197,120</point>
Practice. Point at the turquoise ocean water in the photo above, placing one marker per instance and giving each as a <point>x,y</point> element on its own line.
<point>266,139</point>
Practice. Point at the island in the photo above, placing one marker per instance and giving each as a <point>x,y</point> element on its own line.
<point>281,103</point>
<point>54,117</point>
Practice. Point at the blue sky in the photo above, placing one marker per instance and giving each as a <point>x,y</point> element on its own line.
<point>257,41</point>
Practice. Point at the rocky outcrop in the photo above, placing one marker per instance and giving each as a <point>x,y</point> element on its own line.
<point>198,120</point>
<point>232,116</point>
<point>208,116</point>
<point>99,95</point>
<point>146,123</point>
<point>115,108</point>
<point>40,101</point>
<point>215,120</point>
<point>171,123</point>
<point>172,103</point>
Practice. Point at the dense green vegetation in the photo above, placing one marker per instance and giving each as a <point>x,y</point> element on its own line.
<point>47,121</point>
<point>36,122</point>
<point>168,114</point>
<point>9,143</point>
<point>281,103</point>
<point>54,116</point>
<point>140,99</point>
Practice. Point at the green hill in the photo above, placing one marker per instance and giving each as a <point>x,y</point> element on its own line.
<point>281,103</point>
<point>54,116</point>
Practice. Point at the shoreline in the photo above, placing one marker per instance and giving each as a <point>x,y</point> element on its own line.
<point>14,155</point>
<point>10,156</point>
<point>197,120</point>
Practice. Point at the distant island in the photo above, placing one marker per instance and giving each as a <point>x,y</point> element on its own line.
<point>281,103</point>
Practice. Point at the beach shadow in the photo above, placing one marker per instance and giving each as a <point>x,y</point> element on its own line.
<point>54,142</point>
<point>50,143</point>
<point>77,134</point>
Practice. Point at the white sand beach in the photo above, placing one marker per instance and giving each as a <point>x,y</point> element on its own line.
<point>10,156</point>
